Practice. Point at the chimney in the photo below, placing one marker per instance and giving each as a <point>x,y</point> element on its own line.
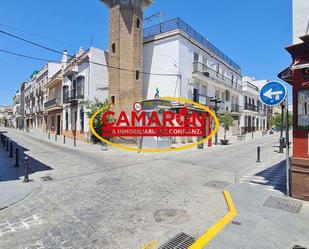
<point>64,59</point>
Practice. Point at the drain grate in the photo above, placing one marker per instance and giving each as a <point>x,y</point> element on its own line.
<point>299,247</point>
<point>180,241</point>
<point>285,204</point>
<point>46,178</point>
<point>217,184</point>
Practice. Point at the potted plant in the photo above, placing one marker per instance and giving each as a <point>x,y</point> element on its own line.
<point>226,120</point>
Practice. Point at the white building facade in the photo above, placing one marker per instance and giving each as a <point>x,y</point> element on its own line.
<point>195,69</point>
<point>83,81</point>
<point>300,19</point>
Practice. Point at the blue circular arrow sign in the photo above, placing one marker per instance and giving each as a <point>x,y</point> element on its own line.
<point>273,93</point>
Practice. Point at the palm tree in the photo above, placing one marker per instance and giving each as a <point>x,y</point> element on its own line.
<point>226,120</point>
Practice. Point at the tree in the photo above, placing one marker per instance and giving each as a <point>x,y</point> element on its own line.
<point>92,108</point>
<point>226,120</point>
<point>275,120</point>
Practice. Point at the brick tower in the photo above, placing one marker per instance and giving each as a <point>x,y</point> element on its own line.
<point>125,51</point>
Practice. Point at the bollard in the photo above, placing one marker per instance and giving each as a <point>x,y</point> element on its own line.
<point>281,142</point>
<point>56,137</point>
<point>74,141</point>
<point>26,168</point>
<point>49,135</point>
<point>4,138</point>
<point>17,157</point>
<point>7,144</point>
<point>11,149</point>
<point>201,145</point>
<point>64,139</point>
<point>258,160</point>
<point>103,146</point>
<point>252,135</point>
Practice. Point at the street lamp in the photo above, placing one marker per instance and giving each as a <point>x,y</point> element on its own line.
<point>281,141</point>
<point>216,107</point>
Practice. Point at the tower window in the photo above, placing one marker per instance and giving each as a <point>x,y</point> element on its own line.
<point>113,48</point>
<point>138,23</point>
<point>113,100</point>
<point>137,73</point>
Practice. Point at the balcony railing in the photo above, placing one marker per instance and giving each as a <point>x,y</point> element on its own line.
<point>52,103</point>
<point>251,107</point>
<point>178,23</point>
<point>209,72</point>
<point>235,108</point>
<point>202,99</point>
<point>73,95</point>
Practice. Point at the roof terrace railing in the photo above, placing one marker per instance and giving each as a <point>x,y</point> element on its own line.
<point>178,23</point>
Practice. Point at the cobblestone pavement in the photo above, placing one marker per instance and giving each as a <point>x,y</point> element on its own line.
<point>122,200</point>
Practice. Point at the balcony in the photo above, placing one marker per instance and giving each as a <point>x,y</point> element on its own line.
<point>202,99</point>
<point>179,24</point>
<point>251,107</point>
<point>235,108</point>
<point>73,95</point>
<point>204,70</point>
<point>56,102</point>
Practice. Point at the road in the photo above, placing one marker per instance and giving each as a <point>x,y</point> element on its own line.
<point>118,199</point>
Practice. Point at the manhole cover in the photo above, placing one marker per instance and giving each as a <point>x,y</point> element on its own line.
<point>217,184</point>
<point>171,216</point>
<point>180,241</point>
<point>285,204</point>
<point>46,178</point>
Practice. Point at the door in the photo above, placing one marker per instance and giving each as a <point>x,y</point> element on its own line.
<point>58,124</point>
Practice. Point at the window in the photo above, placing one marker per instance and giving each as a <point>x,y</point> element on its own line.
<point>53,122</point>
<point>66,120</point>
<point>113,48</point>
<point>138,23</point>
<point>195,95</point>
<point>302,110</point>
<point>196,57</point>
<point>81,117</point>
<point>137,75</point>
<point>217,68</point>
<point>80,86</point>
<point>113,100</point>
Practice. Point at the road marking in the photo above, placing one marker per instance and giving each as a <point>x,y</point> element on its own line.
<point>216,228</point>
<point>151,245</point>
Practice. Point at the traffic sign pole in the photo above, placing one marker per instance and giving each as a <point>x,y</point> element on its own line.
<point>288,166</point>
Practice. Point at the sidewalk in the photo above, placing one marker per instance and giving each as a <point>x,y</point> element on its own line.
<point>12,188</point>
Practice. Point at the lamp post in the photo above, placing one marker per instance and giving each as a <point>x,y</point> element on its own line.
<point>216,107</point>
<point>281,141</point>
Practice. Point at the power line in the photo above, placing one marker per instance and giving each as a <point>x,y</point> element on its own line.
<point>72,56</point>
<point>37,35</point>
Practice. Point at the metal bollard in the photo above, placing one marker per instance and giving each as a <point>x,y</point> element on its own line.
<point>74,141</point>
<point>49,135</point>
<point>56,137</point>
<point>64,139</point>
<point>4,138</point>
<point>26,168</point>
<point>11,149</point>
<point>17,157</point>
<point>258,160</point>
<point>103,146</point>
<point>252,135</point>
<point>201,145</point>
<point>7,144</point>
<point>281,142</point>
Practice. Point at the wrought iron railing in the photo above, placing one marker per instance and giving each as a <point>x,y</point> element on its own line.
<point>72,95</point>
<point>52,103</point>
<point>251,107</point>
<point>178,23</point>
<point>235,108</point>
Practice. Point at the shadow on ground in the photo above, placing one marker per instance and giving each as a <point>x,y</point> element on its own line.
<point>9,172</point>
<point>274,176</point>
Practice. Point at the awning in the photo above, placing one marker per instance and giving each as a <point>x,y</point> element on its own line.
<point>286,75</point>
<point>300,64</point>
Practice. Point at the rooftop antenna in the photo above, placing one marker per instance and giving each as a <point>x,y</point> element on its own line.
<point>155,16</point>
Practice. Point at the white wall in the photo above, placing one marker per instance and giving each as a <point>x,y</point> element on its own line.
<point>161,57</point>
<point>300,19</point>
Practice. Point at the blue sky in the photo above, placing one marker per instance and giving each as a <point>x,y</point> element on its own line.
<point>252,33</point>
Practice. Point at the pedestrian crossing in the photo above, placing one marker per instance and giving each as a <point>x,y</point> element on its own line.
<point>271,178</point>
